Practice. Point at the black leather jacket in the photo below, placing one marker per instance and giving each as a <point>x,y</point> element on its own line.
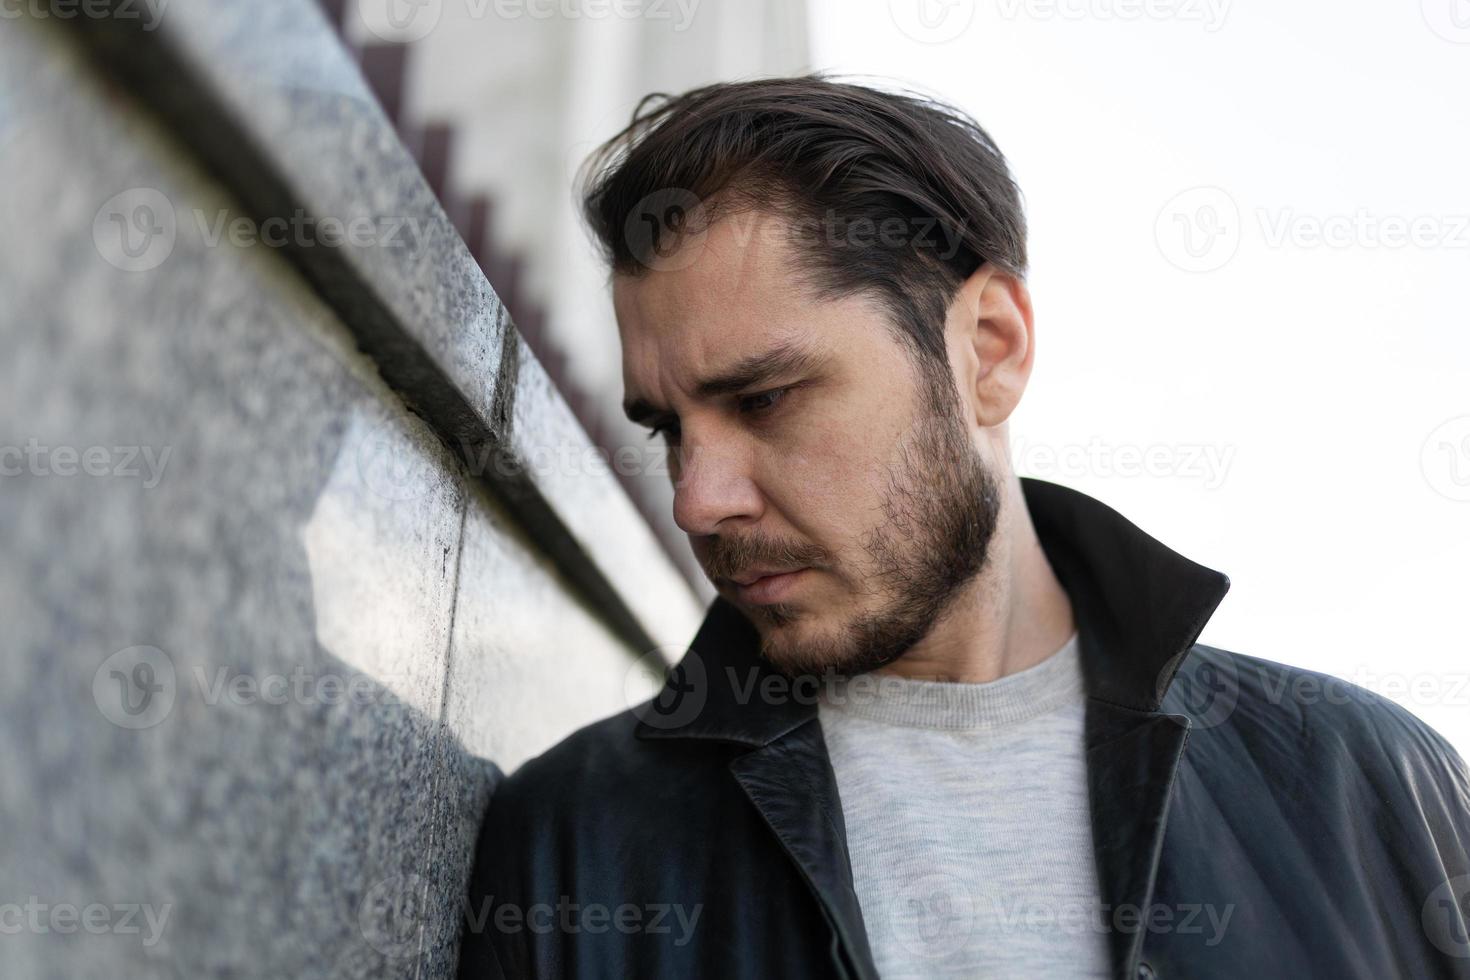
<point>700,835</point>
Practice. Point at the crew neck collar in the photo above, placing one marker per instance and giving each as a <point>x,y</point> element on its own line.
<point>907,702</point>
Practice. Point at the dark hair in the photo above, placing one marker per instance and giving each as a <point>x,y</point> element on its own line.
<point>816,150</point>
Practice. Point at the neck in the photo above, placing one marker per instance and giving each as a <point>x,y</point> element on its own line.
<point>1013,615</point>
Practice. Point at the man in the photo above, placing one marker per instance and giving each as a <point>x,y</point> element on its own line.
<point>940,721</point>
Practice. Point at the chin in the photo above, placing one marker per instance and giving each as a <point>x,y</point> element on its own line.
<point>797,646</point>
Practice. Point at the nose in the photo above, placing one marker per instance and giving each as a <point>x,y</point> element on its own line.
<point>712,485</point>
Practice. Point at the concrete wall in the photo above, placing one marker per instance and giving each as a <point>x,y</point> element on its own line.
<point>285,576</point>
<point>531,87</point>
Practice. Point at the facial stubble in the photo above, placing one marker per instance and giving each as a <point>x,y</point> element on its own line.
<point>941,506</point>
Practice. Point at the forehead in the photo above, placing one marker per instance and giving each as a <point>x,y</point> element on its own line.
<point>737,290</point>
<point>740,268</point>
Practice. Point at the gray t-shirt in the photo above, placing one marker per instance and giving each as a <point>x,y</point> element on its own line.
<point>967,821</point>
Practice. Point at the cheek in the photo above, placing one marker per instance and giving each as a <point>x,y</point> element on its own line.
<point>828,482</point>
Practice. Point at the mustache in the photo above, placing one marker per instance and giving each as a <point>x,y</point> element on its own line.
<point>726,558</point>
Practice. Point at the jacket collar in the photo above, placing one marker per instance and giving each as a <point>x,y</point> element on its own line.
<point>1139,607</point>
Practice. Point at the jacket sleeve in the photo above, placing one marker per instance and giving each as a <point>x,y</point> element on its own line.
<point>1437,782</point>
<point>1448,906</point>
<point>487,951</point>
<point>1451,808</point>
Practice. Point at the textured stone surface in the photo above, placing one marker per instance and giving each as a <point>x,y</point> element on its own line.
<point>311,136</point>
<point>238,691</point>
<point>524,660</point>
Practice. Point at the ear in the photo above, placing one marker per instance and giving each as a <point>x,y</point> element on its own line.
<point>991,342</point>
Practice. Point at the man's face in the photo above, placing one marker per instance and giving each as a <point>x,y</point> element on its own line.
<point>844,461</point>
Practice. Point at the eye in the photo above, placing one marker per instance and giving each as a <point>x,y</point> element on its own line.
<point>671,430</point>
<point>762,401</point>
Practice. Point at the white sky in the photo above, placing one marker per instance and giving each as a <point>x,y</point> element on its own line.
<point>1311,335</point>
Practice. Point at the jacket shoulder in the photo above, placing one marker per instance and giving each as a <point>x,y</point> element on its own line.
<point>1316,716</point>
<point>572,821</point>
<point>604,761</point>
<point>597,753</point>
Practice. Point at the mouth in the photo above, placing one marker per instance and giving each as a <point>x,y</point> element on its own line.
<point>770,588</point>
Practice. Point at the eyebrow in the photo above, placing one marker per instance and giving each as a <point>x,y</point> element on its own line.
<point>784,360</point>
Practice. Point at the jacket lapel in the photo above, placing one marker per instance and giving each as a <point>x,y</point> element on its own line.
<point>1139,607</point>
<point>790,781</point>
<point>1131,760</point>
<point>787,774</point>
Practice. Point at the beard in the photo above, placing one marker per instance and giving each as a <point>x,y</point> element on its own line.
<point>941,507</point>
